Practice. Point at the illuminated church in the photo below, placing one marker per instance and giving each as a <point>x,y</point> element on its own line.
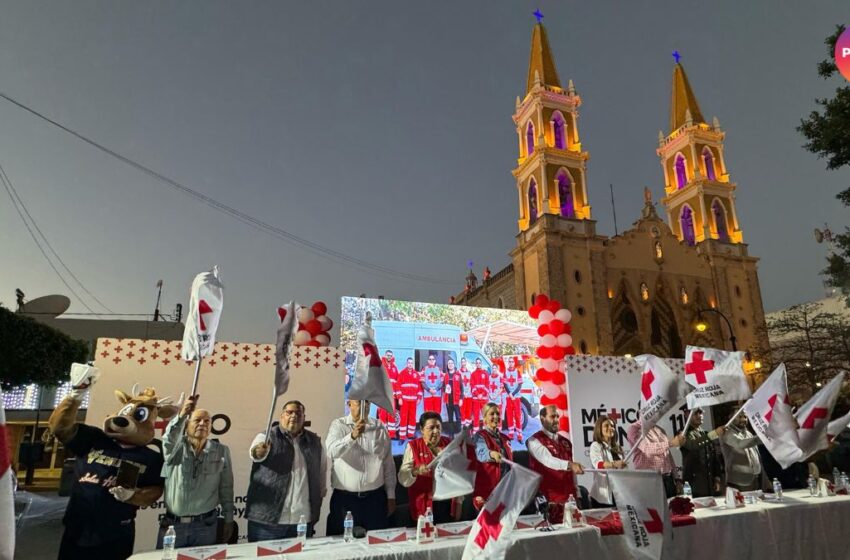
<point>643,290</point>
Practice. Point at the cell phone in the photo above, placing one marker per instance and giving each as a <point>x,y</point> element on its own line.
<point>128,475</point>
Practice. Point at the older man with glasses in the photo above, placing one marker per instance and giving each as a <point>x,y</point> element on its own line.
<point>198,479</point>
<point>288,478</point>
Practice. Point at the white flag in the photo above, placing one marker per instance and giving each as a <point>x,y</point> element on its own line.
<point>813,417</point>
<point>285,333</point>
<point>769,412</point>
<point>642,505</point>
<point>661,389</point>
<point>454,471</point>
<point>205,303</point>
<point>7,506</point>
<point>837,426</point>
<point>717,376</point>
<point>490,534</point>
<point>371,382</point>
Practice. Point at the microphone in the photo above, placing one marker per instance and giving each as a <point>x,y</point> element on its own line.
<point>542,505</point>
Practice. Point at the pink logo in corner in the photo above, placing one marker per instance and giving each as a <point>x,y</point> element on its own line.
<point>842,53</point>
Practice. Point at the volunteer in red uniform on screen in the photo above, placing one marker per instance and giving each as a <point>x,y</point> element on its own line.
<point>551,456</point>
<point>454,396</point>
<point>391,420</point>
<point>411,391</point>
<point>433,383</point>
<point>513,413</point>
<point>479,382</point>
<point>466,386</point>
<point>491,446</point>
<point>415,475</point>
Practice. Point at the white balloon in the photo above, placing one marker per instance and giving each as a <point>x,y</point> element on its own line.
<point>550,389</point>
<point>305,314</point>
<point>301,338</point>
<point>323,339</point>
<point>565,340</point>
<point>324,321</point>
<point>549,364</point>
<point>545,317</point>
<point>549,341</point>
<point>564,315</point>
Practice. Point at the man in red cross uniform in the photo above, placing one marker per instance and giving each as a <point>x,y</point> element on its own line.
<point>551,456</point>
<point>391,419</point>
<point>433,383</point>
<point>466,386</point>
<point>410,386</point>
<point>479,382</point>
<point>513,385</point>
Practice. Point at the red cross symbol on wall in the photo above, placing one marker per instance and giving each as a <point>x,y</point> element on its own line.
<point>646,384</point>
<point>614,415</point>
<point>698,367</point>
<point>491,528</point>
<point>203,309</point>
<point>816,414</point>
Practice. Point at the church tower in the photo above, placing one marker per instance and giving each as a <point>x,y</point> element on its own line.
<point>699,196</point>
<point>550,171</point>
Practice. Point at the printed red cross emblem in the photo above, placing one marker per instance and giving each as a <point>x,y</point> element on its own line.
<point>493,387</point>
<point>427,529</point>
<point>433,377</point>
<point>655,524</point>
<point>491,528</point>
<point>816,414</point>
<point>576,515</point>
<point>614,415</point>
<point>698,367</point>
<point>203,309</point>
<point>646,384</point>
<point>371,352</point>
<point>772,402</point>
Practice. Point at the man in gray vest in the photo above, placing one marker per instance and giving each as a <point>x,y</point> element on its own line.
<point>288,478</point>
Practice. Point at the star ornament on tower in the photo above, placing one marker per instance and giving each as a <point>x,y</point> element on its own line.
<point>677,56</point>
<point>538,15</point>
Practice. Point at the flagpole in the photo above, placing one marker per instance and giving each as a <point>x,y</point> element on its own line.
<point>634,447</point>
<point>197,374</point>
<point>688,422</point>
<point>271,412</point>
<point>740,410</point>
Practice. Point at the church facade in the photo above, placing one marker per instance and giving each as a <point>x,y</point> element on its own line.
<point>642,291</point>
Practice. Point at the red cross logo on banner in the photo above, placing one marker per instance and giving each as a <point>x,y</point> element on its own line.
<point>816,414</point>
<point>614,415</point>
<point>491,528</point>
<point>433,377</point>
<point>646,384</point>
<point>203,309</point>
<point>577,515</point>
<point>371,352</point>
<point>699,367</point>
<point>772,402</point>
<point>427,529</point>
<point>654,525</point>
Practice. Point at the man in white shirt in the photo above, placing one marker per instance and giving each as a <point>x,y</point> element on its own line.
<point>363,474</point>
<point>288,478</point>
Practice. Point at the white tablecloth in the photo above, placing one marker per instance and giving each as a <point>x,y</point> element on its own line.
<point>800,527</point>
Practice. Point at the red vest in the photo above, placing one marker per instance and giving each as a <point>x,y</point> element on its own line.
<point>419,493</point>
<point>488,474</point>
<point>556,485</point>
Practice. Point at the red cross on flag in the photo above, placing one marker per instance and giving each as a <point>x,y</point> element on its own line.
<point>454,471</point>
<point>813,417</point>
<point>285,333</point>
<point>717,376</point>
<point>205,302</point>
<point>7,507</point>
<point>661,390</point>
<point>770,416</point>
<point>642,505</point>
<point>371,382</point>
<point>490,534</point>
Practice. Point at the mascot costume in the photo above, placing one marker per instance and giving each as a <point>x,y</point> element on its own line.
<point>117,469</point>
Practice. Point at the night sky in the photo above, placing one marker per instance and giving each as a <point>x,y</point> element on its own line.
<point>379,129</point>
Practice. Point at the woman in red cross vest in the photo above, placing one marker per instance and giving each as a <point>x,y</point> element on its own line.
<point>415,474</point>
<point>491,446</point>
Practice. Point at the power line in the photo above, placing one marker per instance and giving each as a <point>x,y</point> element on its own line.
<point>256,223</point>
<point>44,237</point>
<point>40,248</point>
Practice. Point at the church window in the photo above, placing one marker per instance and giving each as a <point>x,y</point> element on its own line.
<point>532,202</point>
<point>743,323</point>
<point>655,337</point>
<point>565,195</point>
<point>558,128</point>
<point>582,346</point>
<point>577,276</point>
<point>708,159</point>
<point>738,291</point>
<point>628,321</point>
<point>529,138</point>
<point>687,223</point>
<point>500,304</point>
<point>580,310</point>
<point>659,252</point>
<point>683,295</point>
<point>644,292</point>
<point>720,221</point>
<point>681,172</point>
<point>533,297</point>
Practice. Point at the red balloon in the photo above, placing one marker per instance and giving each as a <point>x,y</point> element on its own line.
<point>543,352</point>
<point>568,328</point>
<point>556,327</point>
<point>557,353</point>
<point>571,351</point>
<point>313,342</point>
<point>543,375</point>
<point>558,378</point>
<point>544,400</point>
<point>302,327</point>
<point>541,300</point>
<point>313,327</point>
<point>554,305</point>
<point>319,308</point>
<point>330,323</point>
<point>534,311</point>
<point>564,423</point>
<point>543,330</point>
<point>560,401</point>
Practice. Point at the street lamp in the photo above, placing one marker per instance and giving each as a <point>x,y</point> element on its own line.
<point>702,325</point>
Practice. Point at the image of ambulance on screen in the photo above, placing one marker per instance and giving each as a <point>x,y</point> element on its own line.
<point>419,341</point>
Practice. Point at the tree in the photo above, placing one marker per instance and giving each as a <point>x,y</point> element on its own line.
<point>814,345</point>
<point>827,135</point>
<point>31,352</point>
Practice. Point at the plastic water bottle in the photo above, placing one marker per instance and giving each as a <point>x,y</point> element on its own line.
<point>686,490</point>
<point>836,476</point>
<point>813,486</point>
<point>348,527</point>
<point>572,502</point>
<point>844,481</point>
<point>168,543</point>
<point>777,489</point>
<point>429,515</point>
<point>302,529</point>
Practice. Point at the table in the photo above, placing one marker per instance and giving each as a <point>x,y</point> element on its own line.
<point>800,527</point>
